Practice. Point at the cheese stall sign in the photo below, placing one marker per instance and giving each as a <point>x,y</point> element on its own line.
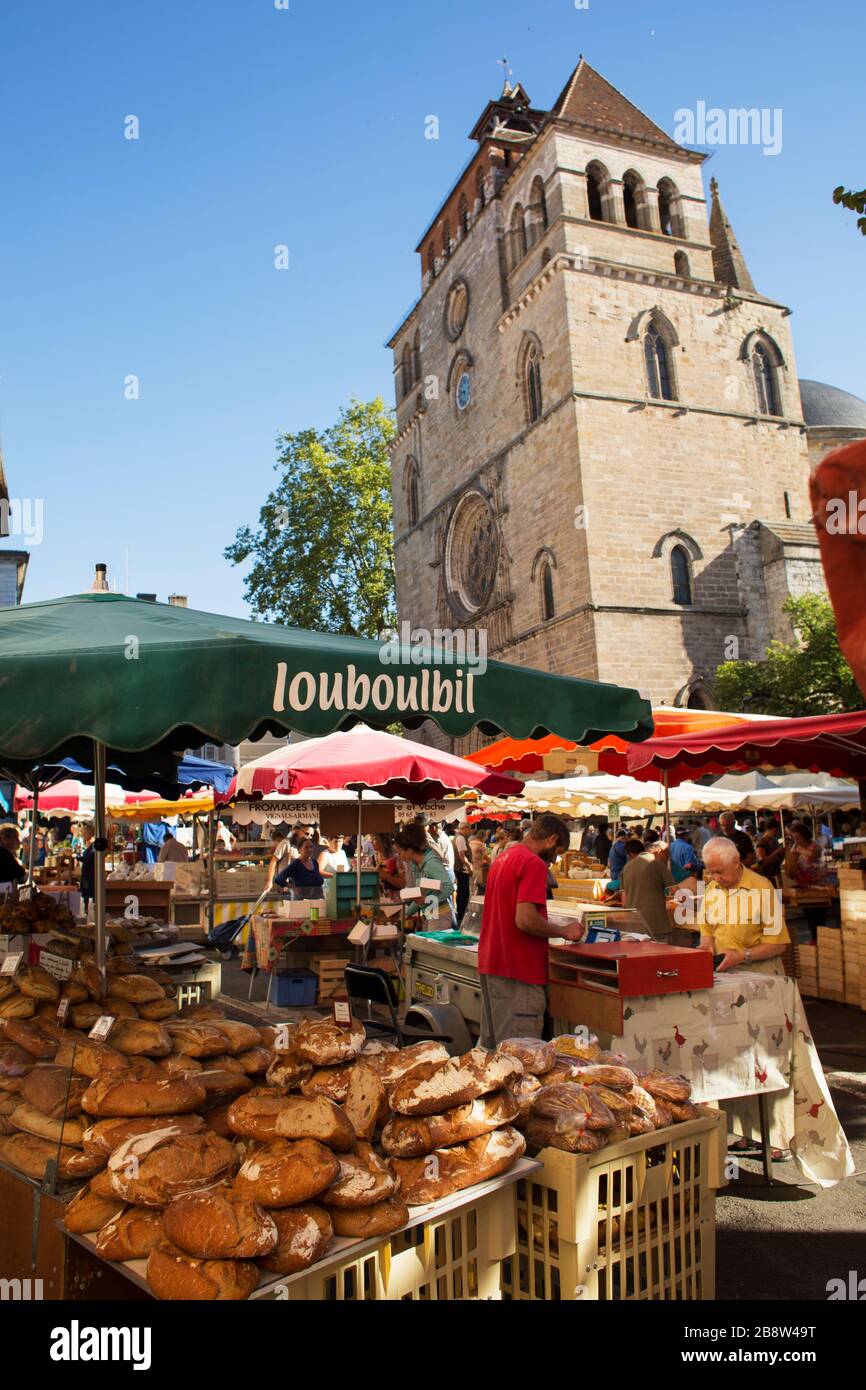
<point>429,692</point>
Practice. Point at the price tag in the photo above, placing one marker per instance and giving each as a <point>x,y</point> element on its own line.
<point>62,1011</point>
<point>11,963</point>
<point>342,1012</point>
<point>102,1027</point>
<point>60,967</point>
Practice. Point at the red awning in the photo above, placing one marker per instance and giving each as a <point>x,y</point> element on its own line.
<point>834,743</point>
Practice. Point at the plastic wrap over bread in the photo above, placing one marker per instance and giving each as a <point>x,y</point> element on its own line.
<point>536,1056</point>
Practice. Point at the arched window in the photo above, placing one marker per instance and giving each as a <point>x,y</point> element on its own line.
<point>596,186</point>
<point>658,370</point>
<point>479,186</point>
<point>462,215</point>
<point>681,264</point>
<point>518,235</point>
<point>633,199</point>
<point>681,575</point>
<point>537,212</point>
<point>766,385</point>
<point>670,209</point>
<point>532,381</point>
<point>406,372</point>
<point>416,358</point>
<point>548,606</point>
<point>413,506</point>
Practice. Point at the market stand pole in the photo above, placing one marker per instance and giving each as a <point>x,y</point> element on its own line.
<point>358,853</point>
<point>100,845</point>
<point>211,870</point>
<point>31,855</point>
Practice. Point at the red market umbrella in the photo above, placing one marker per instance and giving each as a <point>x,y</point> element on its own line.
<point>834,743</point>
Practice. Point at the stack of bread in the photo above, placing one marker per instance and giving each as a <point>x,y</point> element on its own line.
<point>577,1097</point>
<point>40,912</point>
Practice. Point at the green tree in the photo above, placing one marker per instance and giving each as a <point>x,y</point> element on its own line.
<point>323,554</point>
<point>854,202</point>
<point>807,676</point>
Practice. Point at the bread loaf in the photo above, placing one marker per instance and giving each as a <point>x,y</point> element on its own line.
<point>8,987</point>
<point>423,1180</point>
<point>90,1058</point>
<point>572,1106</point>
<point>15,1061</point>
<point>543,1132</point>
<point>366,1104</point>
<point>176,1277</point>
<point>598,1074</point>
<point>617,1102</point>
<point>303,1235</point>
<point>432,1087</point>
<point>220,1225</point>
<point>202,1013</point>
<point>35,983</point>
<point>130,1235</point>
<point>362,1223</point>
<point>17,1006</point>
<point>534,1055</point>
<point>239,1037</point>
<point>221,1086</point>
<point>392,1066</point>
<point>288,1070</point>
<point>363,1180</point>
<point>31,1156</point>
<point>30,1037</point>
<point>53,1091</point>
<point>325,1044</point>
<point>283,1174</point>
<point>118,1008</point>
<point>217,1121</point>
<point>153,1169</point>
<point>33,1121</point>
<point>117,1097</point>
<point>666,1088</point>
<point>265,1116</point>
<point>138,1037</point>
<point>138,989</point>
<point>492,1070</point>
<point>524,1091</point>
<point>642,1100</point>
<point>255,1061</point>
<point>568,1045</point>
<point>409,1138</point>
<point>87,1211</point>
<point>196,1039</point>
<point>178,1064</point>
<point>157,1009</point>
<point>332,1082</point>
<point>107,1135</point>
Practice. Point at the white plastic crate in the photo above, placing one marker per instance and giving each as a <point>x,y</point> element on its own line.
<point>635,1221</point>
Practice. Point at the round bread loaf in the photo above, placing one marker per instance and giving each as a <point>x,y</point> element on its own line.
<point>138,989</point>
<point>130,1235</point>
<point>53,1091</point>
<point>432,1087</point>
<point>17,1006</point>
<point>33,1121</point>
<point>567,1045</point>
<point>199,1013</point>
<point>217,1121</point>
<point>283,1174</point>
<point>303,1235</point>
<point>35,982</point>
<point>196,1039</point>
<point>363,1180</point>
<point>116,1097</point>
<point>74,989</point>
<point>404,1137</point>
<point>392,1066</point>
<point>220,1225</point>
<point>31,1155</point>
<point>225,1062</point>
<point>153,1169</point>
<point>423,1180</point>
<point>9,1102</point>
<point>87,1211</point>
<point>239,1036</point>
<point>178,1064</point>
<point>267,1116</point>
<point>375,1047</point>
<point>332,1082</point>
<point>288,1071</point>
<point>362,1223</point>
<point>176,1277</point>
<point>535,1056</point>
<point>118,1008</point>
<point>493,1071</point>
<point>156,1009</point>
<point>325,1044</point>
<point>107,1135</point>
<point>30,1036</point>
<point>85,1015</point>
<point>102,1185</point>
<point>222,1086</point>
<point>256,1060</point>
<point>140,1038</point>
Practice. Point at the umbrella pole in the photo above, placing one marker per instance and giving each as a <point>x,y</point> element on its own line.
<point>667,812</point>
<point>31,855</point>
<point>211,870</point>
<point>358,854</point>
<point>99,846</point>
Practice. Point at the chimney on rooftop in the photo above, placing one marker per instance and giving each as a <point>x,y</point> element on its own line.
<point>178,600</point>
<point>100,583</point>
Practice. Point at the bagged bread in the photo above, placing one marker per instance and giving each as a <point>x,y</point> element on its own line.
<point>87,1211</point>
<point>568,1045</point>
<point>543,1132</point>
<point>131,1235</point>
<point>151,1170</point>
<point>264,1115</point>
<point>303,1235</point>
<point>363,1223</point>
<point>536,1056</point>
<point>284,1174</point>
<point>666,1088</point>
<point>446,1171</point>
<point>524,1090</point>
<point>105,1136</point>
<point>681,1111</point>
<point>220,1225</point>
<point>117,1097</point>
<point>325,1044</point>
<point>617,1102</point>
<point>572,1107</point>
<point>363,1180</point>
<point>663,1117</point>
<point>615,1078</point>
<point>641,1100</point>
<point>176,1277</point>
<point>404,1137</point>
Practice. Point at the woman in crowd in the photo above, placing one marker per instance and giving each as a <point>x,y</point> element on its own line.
<point>422,861</point>
<point>391,876</point>
<point>302,875</point>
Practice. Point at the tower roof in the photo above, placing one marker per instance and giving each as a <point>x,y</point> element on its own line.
<point>589,98</point>
<point>729,263</point>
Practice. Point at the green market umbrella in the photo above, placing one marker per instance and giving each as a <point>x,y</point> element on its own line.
<point>104,675</point>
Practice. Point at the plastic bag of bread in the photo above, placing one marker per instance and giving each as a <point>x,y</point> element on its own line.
<point>641,1100</point>
<point>524,1090</point>
<point>176,1277</point>
<point>446,1171</point>
<point>599,1074</point>
<point>666,1088</point>
<point>617,1102</point>
<point>536,1056</point>
<point>544,1133</point>
<point>570,1045</point>
<point>684,1110</point>
<point>574,1105</point>
<point>639,1123</point>
<point>663,1117</point>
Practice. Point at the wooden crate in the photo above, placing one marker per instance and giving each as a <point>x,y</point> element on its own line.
<point>330,972</point>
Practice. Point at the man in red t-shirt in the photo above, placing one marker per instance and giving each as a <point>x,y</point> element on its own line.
<point>512,953</point>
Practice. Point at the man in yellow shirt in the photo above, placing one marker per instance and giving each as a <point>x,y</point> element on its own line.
<point>740,914</point>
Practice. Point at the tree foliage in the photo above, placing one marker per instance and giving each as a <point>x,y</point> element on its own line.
<point>322,554</point>
<point>854,202</point>
<point>808,676</point>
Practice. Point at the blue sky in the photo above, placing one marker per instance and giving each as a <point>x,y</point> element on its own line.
<point>305,126</point>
